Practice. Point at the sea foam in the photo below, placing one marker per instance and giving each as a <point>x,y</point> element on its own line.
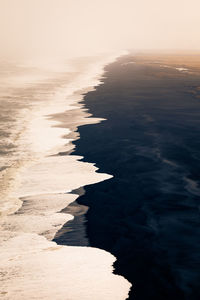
<point>32,266</point>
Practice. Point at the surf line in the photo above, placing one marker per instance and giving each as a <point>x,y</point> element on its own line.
<point>48,270</point>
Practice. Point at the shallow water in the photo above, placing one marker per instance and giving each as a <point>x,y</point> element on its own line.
<point>39,118</point>
<point>147,215</point>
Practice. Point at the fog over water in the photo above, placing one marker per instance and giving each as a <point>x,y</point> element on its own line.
<point>52,53</point>
<point>46,28</point>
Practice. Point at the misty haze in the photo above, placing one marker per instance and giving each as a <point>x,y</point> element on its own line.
<point>99,149</point>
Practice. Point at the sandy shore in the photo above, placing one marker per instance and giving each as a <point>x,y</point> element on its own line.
<point>32,266</point>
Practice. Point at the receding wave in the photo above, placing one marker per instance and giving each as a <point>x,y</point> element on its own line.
<point>37,178</point>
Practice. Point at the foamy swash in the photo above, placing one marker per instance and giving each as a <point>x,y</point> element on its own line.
<point>36,185</point>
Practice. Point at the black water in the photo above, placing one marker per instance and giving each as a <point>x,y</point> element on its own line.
<point>148,214</point>
<point>73,233</point>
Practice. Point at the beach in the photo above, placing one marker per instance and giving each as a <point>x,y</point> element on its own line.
<point>39,178</point>
<point>99,150</point>
<point>147,214</point>
<point>101,188</point>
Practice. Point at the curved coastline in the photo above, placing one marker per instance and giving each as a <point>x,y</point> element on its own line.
<point>47,270</point>
<point>147,214</point>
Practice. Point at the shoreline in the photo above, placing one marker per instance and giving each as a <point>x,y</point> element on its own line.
<point>40,215</point>
<point>144,213</point>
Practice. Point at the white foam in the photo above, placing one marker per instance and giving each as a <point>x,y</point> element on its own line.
<point>38,214</point>
<point>37,269</point>
<point>182,69</point>
<point>171,67</point>
<point>128,63</point>
<point>37,134</point>
<point>52,178</point>
<point>58,174</point>
<point>31,266</point>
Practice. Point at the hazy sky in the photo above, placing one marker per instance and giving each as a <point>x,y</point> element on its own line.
<point>83,27</point>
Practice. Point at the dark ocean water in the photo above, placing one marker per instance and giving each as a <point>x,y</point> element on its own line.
<point>147,215</point>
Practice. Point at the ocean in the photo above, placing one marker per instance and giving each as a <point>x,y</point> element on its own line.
<point>147,214</point>
<point>100,183</point>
